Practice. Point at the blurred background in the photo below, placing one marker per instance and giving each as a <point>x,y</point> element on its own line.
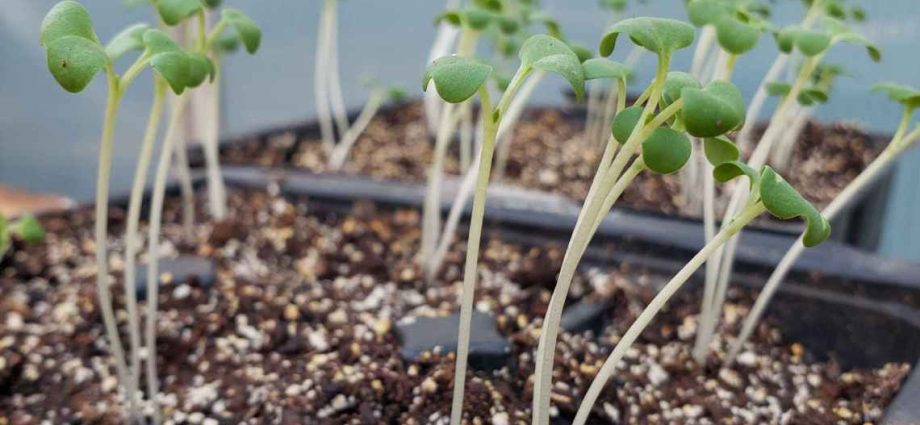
<point>48,138</point>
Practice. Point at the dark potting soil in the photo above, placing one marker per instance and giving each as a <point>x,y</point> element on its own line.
<point>299,328</point>
<point>548,154</point>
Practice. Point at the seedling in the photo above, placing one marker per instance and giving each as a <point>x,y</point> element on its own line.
<point>769,193</point>
<point>901,142</point>
<point>456,80</point>
<point>685,107</point>
<point>814,45</point>
<point>326,81</point>
<point>379,95</point>
<point>26,229</point>
<point>75,55</point>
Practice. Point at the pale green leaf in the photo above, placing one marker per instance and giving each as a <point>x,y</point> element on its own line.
<point>659,35</point>
<point>784,202</point>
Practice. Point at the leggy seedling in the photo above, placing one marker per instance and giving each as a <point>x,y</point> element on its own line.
<point>901,142</point>
<point>769,193</point>
<point>457,79</point>
<point>75,56</point>
<point>379,95</point>
<point>814,45</point>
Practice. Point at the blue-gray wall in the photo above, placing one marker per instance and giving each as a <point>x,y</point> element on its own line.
<point>48,137</point>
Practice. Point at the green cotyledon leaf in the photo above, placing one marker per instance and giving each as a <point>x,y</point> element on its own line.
<point>456,78</point>
<point>714,110</point>
<point>665,151</point>
<point>784,202</point>
<point>659,35</point>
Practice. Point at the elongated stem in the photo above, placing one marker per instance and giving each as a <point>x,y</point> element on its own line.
<point>619,187</point>
<point>153,249</point>
<point>340,153</point>
<point>579,241</point>
<point>592,113</point>
<point>113,102</point>
<point>134,214</point>
<point>505,131</point>
<point>184,175</point>
<point>668,291</point>
<point>490,128</point>
<point>431,212</point>
<point>320,87</point>
<point>712,266</point>
<point>843,200</point>
<point>785,145</point>
<point>701,52</point>
<point>336,99</point>
<point>444,39</point>
<point>757,160</point>
<point>503,142</point>
<point>466,135</point>
<point>217,191</point>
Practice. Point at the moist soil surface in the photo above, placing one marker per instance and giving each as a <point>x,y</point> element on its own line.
<point>299,328</point>
<point>548,153</point>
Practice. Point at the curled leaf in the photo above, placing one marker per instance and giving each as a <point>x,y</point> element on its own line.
<point>665,150</point>
<point>624,123</point>
<point>601,68</point>
<point>841,32</point>
<point>67,18</point>
<point>174,67</point>
<point>246,29</point>
<point>674,85</point>
<point>905,95</point>
<point>784,202</point>
<point>714,110</point>
<point>175,11</point>
<point>659,35</point>
<point>730,170</point>
<point>74,61</point>
<point>553,55</point>
<point>456,78</point>
<point>128,40</point>
<point>719,150</point>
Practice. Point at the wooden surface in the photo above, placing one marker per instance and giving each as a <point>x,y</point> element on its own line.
<point>15,202</point>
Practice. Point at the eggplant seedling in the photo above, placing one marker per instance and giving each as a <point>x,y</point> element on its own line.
<point>769,193</point>
<point>901,142</point>
<point>75,55</point>
<point>26,229</point>
<point>457,79</point>
<point>813,45</point>
<point>656,138</point>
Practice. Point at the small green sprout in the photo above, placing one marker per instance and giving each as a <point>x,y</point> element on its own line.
<point>27,229</point>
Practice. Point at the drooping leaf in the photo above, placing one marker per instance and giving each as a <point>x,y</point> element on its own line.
<point>456,78</point>
<point>128,40</point>
<point>553,55</point>
<point>714,110</point>
<point>247,30</point>
<point>175,11</point>
<point>905,95</point>
<point>841,32</point>
<point>74,61</point>
<point>784,202</point>
<point>624,123</point>
<point>674,85</point>
<point>785,39</point>
<point>666,151</point>
<point>812,43</point>
<point>174,67</point>
<point>659,35</point>
<point>707,12</point>
<point>719,150</point>
<point>811,96</point>
<point>67,18</point>
<point>227,42</point>
<point>734,36</point>
<point>779,89</point>
<point>602,68</point>
<point>28,229</point>
<point>200,69</point>
<point>729,170</point>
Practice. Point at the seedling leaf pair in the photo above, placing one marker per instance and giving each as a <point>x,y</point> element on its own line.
<point>247,31</point>
<point>659,35</point>
<point>73,51</point>
<point>905,95</point>
<point>456,78</point>
<point>550,54</point>
<point>175,11</point>
<point>779,198</point>
<point>674,85</point>
<point>601,68</point>
<point>735,35</point>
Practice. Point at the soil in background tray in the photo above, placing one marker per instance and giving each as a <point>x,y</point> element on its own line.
<point>299,327</point>
<point>548,154</point>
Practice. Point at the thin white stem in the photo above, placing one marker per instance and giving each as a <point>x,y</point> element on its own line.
<point>619,187</point>
<point>217,191</point>
<point>663,296</point>
<point>153,249</point>
<point>131,243</point>
<point>472,257</point>
<point>431,212</point>
<point>336,99</point>
<point>712,266</point>
<point>592,112</point>
<point>701,52</point>
<point>782,155</point>
<point>103,291</point>
<point>466,135</point>
<point>579,241</point>
<point>320,70</point>
<point>341,151</point>
<point>843,200</point>
<point>506,129</point>
<point>444,41</point>
<point>184,174</point>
